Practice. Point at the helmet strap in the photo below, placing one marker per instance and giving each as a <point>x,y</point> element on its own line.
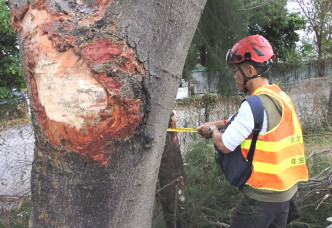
<point>246,79</point>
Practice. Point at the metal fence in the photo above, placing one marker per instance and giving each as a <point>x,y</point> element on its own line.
<point>16,155</point>
<point>17,143</point>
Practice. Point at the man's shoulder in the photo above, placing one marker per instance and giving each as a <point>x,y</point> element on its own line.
<point>270,102</point>
<point>273,109</point>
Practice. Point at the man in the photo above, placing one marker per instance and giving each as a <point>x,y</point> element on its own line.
<point>278,162</point>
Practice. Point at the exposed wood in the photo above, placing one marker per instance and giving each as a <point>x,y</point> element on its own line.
<point>102,78</point>
<point>171,177</point>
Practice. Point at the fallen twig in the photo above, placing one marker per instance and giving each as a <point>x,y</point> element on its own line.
<point>325,197</point>
<point>217,223</point>
<point>160,189</point>
<point>314,153</point>
<point>328,169</point>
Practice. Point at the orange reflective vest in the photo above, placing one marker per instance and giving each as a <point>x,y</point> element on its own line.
<point>279,160</point>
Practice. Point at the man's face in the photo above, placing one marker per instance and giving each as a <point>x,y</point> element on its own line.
<point>247,69</point>
<point>238,78</point>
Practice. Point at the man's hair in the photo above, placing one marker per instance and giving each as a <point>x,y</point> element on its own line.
<point>263,69</point>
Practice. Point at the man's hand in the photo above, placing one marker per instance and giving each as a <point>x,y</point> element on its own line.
<point>203,130</point>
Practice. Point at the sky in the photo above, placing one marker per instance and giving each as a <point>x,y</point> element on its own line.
<point>294,7</point>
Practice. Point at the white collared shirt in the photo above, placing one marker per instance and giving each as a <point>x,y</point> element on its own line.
<point>241,127</point>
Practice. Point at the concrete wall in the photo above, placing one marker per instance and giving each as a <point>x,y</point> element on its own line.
<point>286,77</point>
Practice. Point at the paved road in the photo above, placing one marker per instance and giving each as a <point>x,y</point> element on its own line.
<point>182,93</point>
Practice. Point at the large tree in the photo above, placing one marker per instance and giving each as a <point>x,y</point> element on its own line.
<point>102,76</point>
<point>220,26</point>
<point>225,22</point>
<point>319,15</point>
<point>272,20</point>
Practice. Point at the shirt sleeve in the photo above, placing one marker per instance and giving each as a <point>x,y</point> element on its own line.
<point>241,127</point>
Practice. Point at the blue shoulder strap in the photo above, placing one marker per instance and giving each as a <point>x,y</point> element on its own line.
<point>257,109</point>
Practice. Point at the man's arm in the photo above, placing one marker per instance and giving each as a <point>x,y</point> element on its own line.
<point>216,134</point>
<point>217,140</point>
<point>204,128</point>
<point>236,133</point>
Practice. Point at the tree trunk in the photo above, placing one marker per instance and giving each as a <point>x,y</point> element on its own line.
<point>202,55</point>
<point>171,177</point>
<point>329,108</point>
<point>102,77</point>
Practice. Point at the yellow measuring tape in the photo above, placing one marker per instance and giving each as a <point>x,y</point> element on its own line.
<point>182,129</point>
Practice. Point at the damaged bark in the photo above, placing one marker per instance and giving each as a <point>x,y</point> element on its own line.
<point>102,76</point>
<point>171,177</point>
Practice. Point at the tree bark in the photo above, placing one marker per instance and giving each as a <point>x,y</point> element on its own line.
<point>171,177</point>
<point>102,77</point>
<point>329,108</point>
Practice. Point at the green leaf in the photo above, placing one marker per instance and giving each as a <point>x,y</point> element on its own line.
<point>10,69</point>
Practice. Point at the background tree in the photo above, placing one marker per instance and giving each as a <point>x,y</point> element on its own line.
<point>220,26</point>
<point>11,75</point>
<point>225,22</point>
<point>274,22</point>
<point>102,78</point>
<point>319,15</point>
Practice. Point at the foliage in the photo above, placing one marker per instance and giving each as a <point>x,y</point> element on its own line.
<point>190,64</point>
<point>319,16</point>
<point>225,22</point>
<point>209,197</point>
<point>11,75</point>
<point>14,109</point>
<point>274,23</point>
<point>210,200</point>
<point>5,92</point>
<point>306,50</point>
<point>18,218</point>
<point>219,28</point>
<point>314,197</point>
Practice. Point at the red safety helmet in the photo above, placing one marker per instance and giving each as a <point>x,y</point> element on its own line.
<point>255,48</point>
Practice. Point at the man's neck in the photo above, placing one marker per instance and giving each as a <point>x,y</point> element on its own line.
<point>257,83</point>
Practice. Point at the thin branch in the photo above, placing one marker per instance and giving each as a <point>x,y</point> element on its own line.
<point>319,152</point>
<point>254,7</point>
<point>316,178</point>
<point>305,10</point>
<point>160,189</point>
<point>209,210</point>
<point>313,204</point>
<point>325,197</point>
<point>317,135</point>
<point>217,223</point>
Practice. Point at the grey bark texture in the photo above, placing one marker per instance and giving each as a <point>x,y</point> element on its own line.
<point>70,190</point>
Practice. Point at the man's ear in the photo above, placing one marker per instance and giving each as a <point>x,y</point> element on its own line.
<point>252,70</point>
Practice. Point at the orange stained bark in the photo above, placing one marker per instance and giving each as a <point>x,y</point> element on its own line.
<point>79,108</point>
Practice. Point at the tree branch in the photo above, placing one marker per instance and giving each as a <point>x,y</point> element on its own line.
<point>319,152</point>
<point>257,6</point>
<point>217,223</point>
